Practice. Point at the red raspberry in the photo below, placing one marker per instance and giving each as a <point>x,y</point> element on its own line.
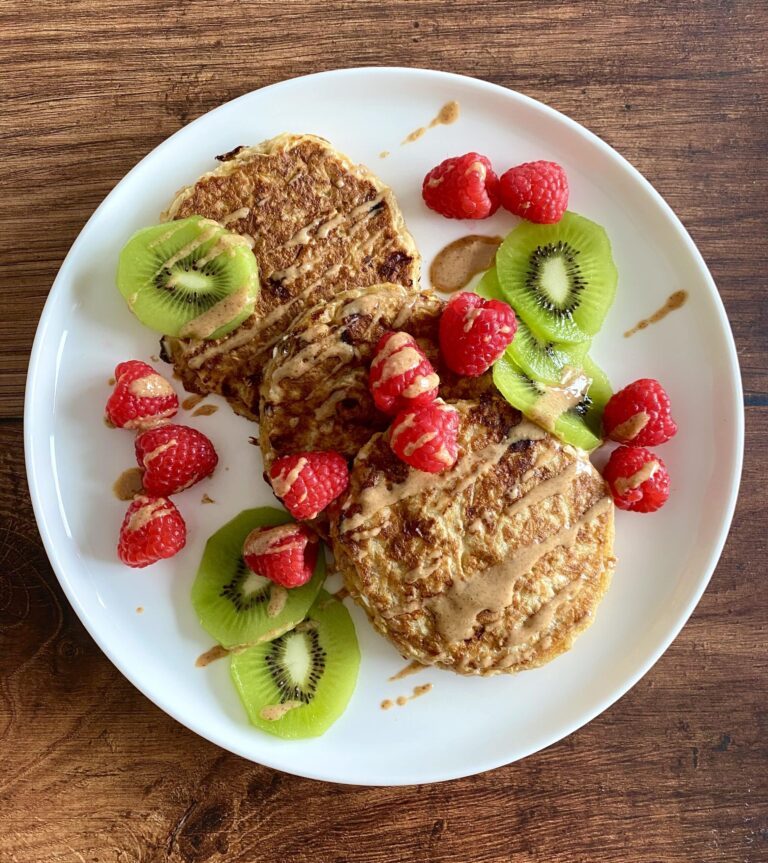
<point>141,399</point>
<point>307,482</point>
<point>639,414</point>
<point>537,191</point>
<point>285,554</point>
<point>474,333</point>
<point>638,479</point>
<point>464,187</point>
<point>152,529</point>
<point>174,458</point>
<point>426,438</point>
<point>401,376</point>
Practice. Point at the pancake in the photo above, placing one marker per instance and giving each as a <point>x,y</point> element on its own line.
<point>320,225</point>
<point>315,394</point>
<point>495,565</point>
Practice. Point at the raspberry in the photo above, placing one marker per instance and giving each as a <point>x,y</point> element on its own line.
<point>464,187</point>
<point>174,458</point>
<point>474,333</point>
<point>401,376</point>
<point>141,399</point>
<point>307,482</point>
<point>537,191</point>
<point>639,414</point>
<point>637,478</point>
<point>426,438</point>
<point>285,554</point>
<point>152,529</point>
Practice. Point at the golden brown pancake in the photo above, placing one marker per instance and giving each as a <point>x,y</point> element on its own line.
<point>495,565</point>
<point>315,393</point>
<point>320,225</point>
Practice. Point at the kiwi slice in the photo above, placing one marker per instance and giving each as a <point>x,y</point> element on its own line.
<point>560,279</point>
<point>190,278</point>
<point>541,359</point>
<point>235,605</point>
<point>598,395</point>
<point>299,684</point>
<point>579,425</point>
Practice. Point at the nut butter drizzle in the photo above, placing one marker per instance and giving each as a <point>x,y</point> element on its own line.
<point>412,668</point>
<point>129,484</point>
<point>150,386</point>
<point>674,301</point>
<point>469,468</point>
<point>625,484</point>
<point>455,265</point>
<point>205,410</point>
<point>632,427</point>
<point>228,308</point>
<point>308,358</point>
<point>457,608</point>
<point>402,700</point>
<point>558,399</point>
<point>191,402</point>
<point>278,596</point>
<point>216,652</point>
<point>235,216</point>
<point>448,114</point>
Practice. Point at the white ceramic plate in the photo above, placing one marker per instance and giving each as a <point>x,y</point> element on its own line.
<point>464,725</point>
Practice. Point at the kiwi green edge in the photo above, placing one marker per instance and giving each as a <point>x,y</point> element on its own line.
<point>214,610</point>
<point>257,689</point>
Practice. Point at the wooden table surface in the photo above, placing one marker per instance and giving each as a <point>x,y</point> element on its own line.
<point>92,771</point>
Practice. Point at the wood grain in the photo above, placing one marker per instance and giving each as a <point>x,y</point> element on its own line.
<point>91,771</point>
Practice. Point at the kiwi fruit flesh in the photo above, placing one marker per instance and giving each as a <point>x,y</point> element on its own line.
<point>299,684</point>
<point>238,607</point>
<point>542,360</point>
<point>560,279</point>
<point>579,424</point>
<point>190,277</point>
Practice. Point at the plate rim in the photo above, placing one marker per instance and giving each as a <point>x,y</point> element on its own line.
<point>279,763</point>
